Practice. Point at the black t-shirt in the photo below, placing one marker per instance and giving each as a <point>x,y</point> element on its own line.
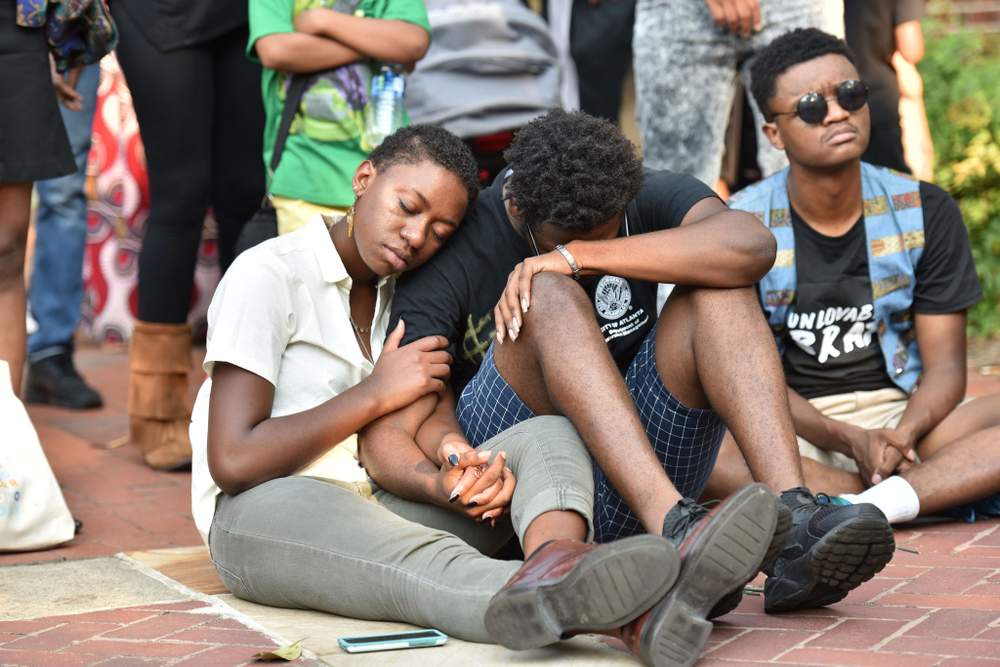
<point>454,294</point>
<point>869,27</point>
<point>831,344</point>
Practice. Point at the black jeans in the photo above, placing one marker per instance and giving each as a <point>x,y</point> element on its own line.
<point>202,122</point>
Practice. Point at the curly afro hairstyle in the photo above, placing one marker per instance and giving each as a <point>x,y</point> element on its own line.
<point>572,170</point>
<point>788,50</point>
<point>416,143</point>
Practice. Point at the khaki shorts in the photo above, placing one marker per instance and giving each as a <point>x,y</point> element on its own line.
<point>881,408</point>
<point>296,213</point>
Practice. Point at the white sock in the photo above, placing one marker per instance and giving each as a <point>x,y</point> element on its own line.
<point>894,496</point>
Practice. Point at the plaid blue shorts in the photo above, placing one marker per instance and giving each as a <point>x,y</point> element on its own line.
<point>685,440</point>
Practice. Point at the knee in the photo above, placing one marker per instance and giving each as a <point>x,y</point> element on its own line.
<point>708,302</point>
<point>554,295</point>
<point>714,297</point>
<point>553,433</point>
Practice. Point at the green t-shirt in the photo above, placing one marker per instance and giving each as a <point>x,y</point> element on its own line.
<point>324,144</point>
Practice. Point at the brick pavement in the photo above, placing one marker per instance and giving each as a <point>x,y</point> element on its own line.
<point>181,633</point>
<point>940,606</point>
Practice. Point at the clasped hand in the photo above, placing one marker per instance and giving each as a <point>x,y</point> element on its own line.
<point>474,486</point>
<point>880,452</point>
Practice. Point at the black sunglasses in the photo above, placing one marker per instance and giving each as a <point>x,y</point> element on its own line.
<point>812,107</point>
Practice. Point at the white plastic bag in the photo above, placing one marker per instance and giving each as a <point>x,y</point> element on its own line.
<point>33,513</point>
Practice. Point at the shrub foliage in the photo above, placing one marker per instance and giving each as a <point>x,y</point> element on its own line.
<point>961,73</point>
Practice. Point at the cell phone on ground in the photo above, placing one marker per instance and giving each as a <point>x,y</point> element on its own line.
<point>394,641</point>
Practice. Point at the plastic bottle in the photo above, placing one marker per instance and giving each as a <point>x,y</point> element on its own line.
<point>385,112</point>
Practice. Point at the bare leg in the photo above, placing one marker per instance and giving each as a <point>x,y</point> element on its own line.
<point>15,210</point>
<point>964,471</point>
<point>982,413</point>
<point>554,525</point>
<point>829,480</point>
<point>559,364</point>
<point>730,473</point>
<point>713,348</point>
<point>960,457</point>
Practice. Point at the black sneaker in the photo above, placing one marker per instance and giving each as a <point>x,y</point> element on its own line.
<point>720,550</point>
<point>55,381</point>
<point>831,551</point>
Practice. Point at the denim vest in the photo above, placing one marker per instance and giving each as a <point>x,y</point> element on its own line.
<point>894,231</point>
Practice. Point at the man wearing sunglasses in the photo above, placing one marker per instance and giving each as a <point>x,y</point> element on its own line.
<point>867,300</point>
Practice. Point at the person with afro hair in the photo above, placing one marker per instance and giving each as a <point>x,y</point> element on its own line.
<point>867,300</point>
<point>547,295</point>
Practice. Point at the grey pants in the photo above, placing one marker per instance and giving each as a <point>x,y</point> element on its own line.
<point>685,78</point>
<point>301,542</point>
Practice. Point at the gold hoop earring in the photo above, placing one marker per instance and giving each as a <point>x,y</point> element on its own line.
<point>349,217</point>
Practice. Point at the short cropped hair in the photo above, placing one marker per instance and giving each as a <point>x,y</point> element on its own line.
<point>417,143</point>
<point>572,170</point>
<point>790,49</point>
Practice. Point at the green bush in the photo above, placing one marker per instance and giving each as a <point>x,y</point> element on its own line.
<point>961,75</point>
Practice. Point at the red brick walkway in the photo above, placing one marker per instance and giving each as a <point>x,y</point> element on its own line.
<point>164,634</point>
<point>940,606</point>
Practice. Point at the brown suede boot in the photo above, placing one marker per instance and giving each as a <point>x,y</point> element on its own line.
<point>159,361</point>
<point>568,587</point>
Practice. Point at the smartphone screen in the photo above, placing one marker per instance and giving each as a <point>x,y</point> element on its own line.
<point>389,642</point>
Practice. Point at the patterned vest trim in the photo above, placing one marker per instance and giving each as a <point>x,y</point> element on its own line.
<point>894,231</point>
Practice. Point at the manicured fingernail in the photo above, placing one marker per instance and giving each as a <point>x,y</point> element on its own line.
<point>513,334</point>
<point>453,497</point>
<point>471,503</point>
<point>524,305</point>
<point>876,479</point>
<point>499,337</point>
<point>453,459</point>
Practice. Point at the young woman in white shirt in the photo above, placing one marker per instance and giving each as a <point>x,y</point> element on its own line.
<point>298,367</point>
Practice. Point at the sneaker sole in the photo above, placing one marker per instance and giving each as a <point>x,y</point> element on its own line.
<point>781,532</point>
<point>842,560</point>
<point>726,554</point>
<point>609,587</point>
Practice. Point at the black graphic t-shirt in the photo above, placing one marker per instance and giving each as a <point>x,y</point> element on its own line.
<point>831,343</point>
<point>454,294</point>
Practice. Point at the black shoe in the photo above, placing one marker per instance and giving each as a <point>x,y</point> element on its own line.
<point>831,551</point>
<point>720,550</point>
<point>55,381</point>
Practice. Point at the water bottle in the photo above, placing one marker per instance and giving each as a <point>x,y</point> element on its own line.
<point>384,113</point>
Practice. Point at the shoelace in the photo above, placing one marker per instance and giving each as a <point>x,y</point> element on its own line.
<point>690,513</point>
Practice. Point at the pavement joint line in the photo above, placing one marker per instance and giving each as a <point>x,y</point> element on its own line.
<point>980,535</point>
<point>742,631</point>
<point>892,589</point>
<point>906,627</point>
<point>802,644</point>
<point>214,605</point>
